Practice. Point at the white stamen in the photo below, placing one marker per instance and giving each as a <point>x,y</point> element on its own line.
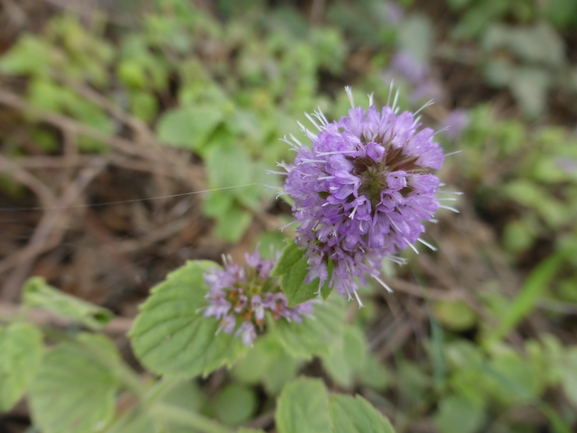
<point>427,244</point>
<point>449,208</point>
<point>452,153</point>
<point>383,284</point>
<point>336,152</point>
<point>308,116</point>
<point>395,101</point>
<point>412,247</point>
<point>321,117</point>
<point>296,140</point>
<point>308,161</point>
<point>288,225</point>
<point>451,192</point>
<point>357,296</point>
<point>398,260</point>
<point>308,133</point>
<point>350,96</point>
<point>390,92</point>
<point>425,105</point>
<point>371,98</point>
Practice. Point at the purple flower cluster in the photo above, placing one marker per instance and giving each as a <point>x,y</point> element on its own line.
<point>239,294</point>
<point>361,191</point>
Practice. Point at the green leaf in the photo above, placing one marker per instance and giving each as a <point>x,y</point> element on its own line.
<point>356,415</point>
<point>303,407</point>
<point>347,356</point>
<point>29,55</point>
<point>74,392</point>
<point>227,165</point>
<point>374,375</point>
<point>315,334</point>
<point>20,356</point>
<point>530,86</point>
<point>235,404</point>
<point>455,315</point>
<point>267,363</point>
<point>534,287</point>
<point>188,127</point>
<point>171,336</point>
<point>458,415</point>
<point>37,293</point>
<point>540,43</point>
<point>232,225</point>
<point>292,268</point>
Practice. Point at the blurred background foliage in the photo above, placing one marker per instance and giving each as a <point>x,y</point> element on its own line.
<point>178,96</point>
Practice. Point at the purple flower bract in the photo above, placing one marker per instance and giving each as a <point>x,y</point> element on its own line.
<point>361,191</point>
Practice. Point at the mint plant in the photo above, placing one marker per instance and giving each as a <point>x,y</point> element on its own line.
<point>359,195</point>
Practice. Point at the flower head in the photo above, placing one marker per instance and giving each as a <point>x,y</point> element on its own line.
<point>361,191</point>
<point>239,295</point>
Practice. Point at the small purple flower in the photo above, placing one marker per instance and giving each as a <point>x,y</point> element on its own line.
<point>247,332</point>
<point>407,66</point>
<point>239,294</point>
<point>361,191</point>
<point>454,124</point>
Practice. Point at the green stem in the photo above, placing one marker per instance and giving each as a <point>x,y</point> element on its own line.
<point>190,419</point>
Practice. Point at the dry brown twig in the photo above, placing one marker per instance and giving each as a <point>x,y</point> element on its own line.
<point>48,232</point>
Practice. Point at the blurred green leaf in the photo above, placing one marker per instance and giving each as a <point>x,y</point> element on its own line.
<point>38,294</point>
<point>532,289</point>
<point>356,415</point>
<point>20,356</point>
<point>235,404</point>
<point>455,315</point>
<point>73,391</point>
<point>303,407</point>
<point>530,87</point>
<point>29,55</point>
<point>458,415</point>
<point>267,363</point>
<point>374,375</point>
<point>188,127</point>
<point>314,335</point>
<point>347,356</point>
<point>232,225</point>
